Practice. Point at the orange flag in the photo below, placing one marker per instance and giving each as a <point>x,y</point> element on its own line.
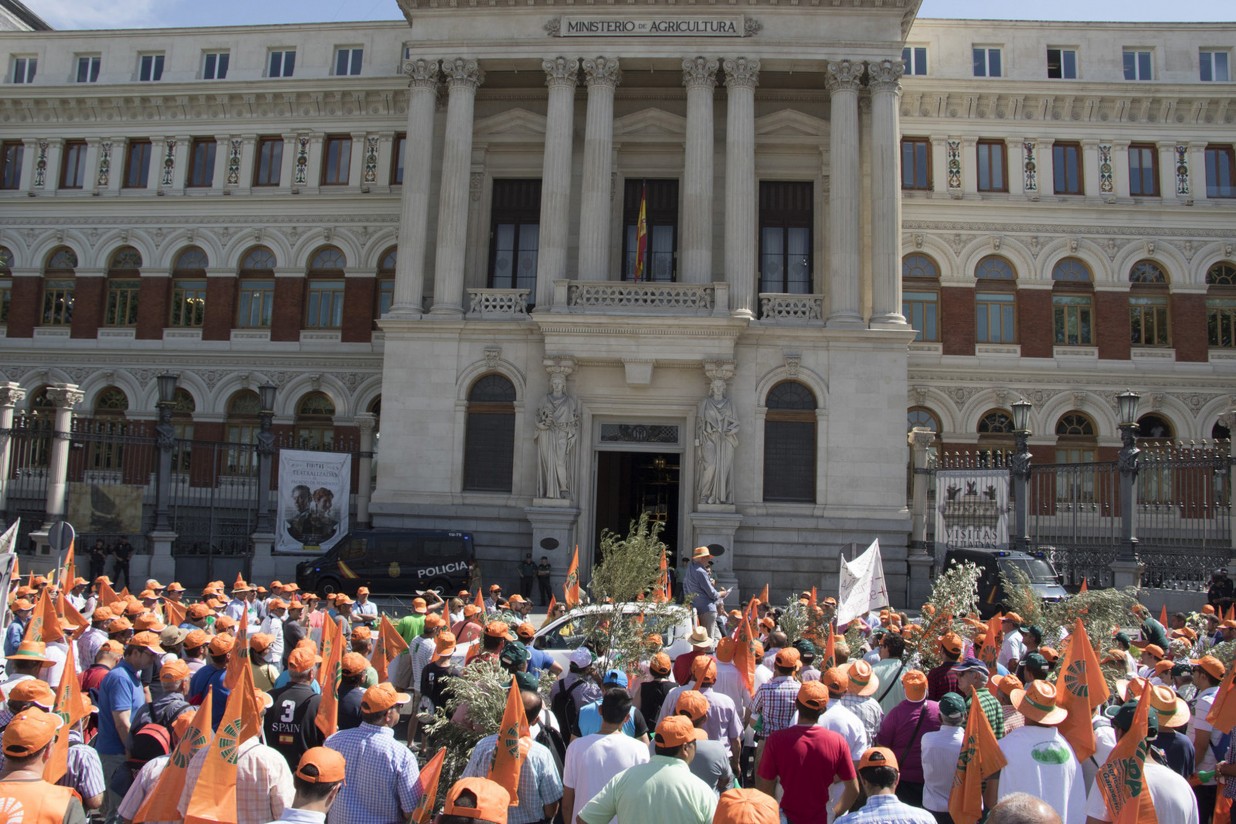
<point>570,589</point>
<point>68,612</point>
<point>44,623</point>
<point>830,651</point>
<point>990,650</point>
<point>390,644</point>
<point>68,572</point>
<point>1223,710</point>
<point>71,709</point>
<point>107,595</point>
<point>1084,587</point>
<point>812,598</point>
<point>980,758</point>
<point>176,613</point>
<point>239,659</point>
<point>661,594</point>
<point>428,780</point>
<point>549,610</point>
<point>329,676</point>
<point>1163,615</point>
<point>1122,778</point>
<point>214,796</point>
<point>1080,688</point>
<point>764,595</point>
<point>744,654</point>
<point>160,804</point>
<point>514,741</point>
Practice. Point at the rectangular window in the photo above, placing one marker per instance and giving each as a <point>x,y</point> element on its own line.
<point>121,308</point>
<point>400,146</point>
<point>1220,177</point>
<point>137,164</point>
<point>786,221</point>
<point>1067,168</point>
<point>1148,321</point>
<point>269,161</point>
<point>150,68</point>
<point>348,61</point>
<point>253,307</point>
<point>995,317</point>
<point>915,59</point>
<point>922,312</point>
<point>1073,317</point>
<point>386,295</point>
<point>988,62</point>
<point>661,229</point>
<point>992,166</point>
<point>282,63</point>
<point>57,302</point>
<point>1061,64</point>
<point>188,303</point>
<point>1143,170</point>
<point>1221,322</point>
<point>1215,65</point>
<point>336,161</point>
<point>24,69</point>
<point>214,65</point>
<point>201,162</point>
<point>6,298</point>
<point>11,154</point>
<point>325,304</point>
<point>88,68</point>
<point>915,163</point>
<point>73,164</point>
<point>515,228</point>
<point>1137,65</point>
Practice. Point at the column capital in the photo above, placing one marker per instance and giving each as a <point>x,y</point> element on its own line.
<point>602,71</point>
<point>561,71</point>
<point>11,394</point>
<point>365,421</point>
<point>65,395</point>
<point>844,76</point>
<point>885,75</point>
<point>463,73</point>
<point>423,74</point>
<point>741,72</point>
<point>699,71</point>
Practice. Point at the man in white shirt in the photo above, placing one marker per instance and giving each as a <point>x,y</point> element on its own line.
<point>1040,760</point>
<point>729,681</point>
<point>272,625</point>
<point>858,698</point>
<point>940,751</point>
<point>1208,672</point>
<point>591,761</point>
<point>1014,646</point>
<point>842,721</point>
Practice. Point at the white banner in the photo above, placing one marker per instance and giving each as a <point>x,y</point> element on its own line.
<point>8,556</point>
<point>972,509</point>
<point>862,585</point>
<point>314,490</point>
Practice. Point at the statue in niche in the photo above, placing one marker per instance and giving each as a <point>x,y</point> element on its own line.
<point>716,432</point>
<point>557,431</point>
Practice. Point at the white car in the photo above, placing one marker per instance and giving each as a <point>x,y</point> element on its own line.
<point>551,639</point>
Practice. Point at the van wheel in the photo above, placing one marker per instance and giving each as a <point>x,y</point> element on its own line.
<point>328,585</point>
<point>439,585</point>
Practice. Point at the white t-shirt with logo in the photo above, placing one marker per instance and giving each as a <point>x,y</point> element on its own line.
<point>1205,755</point>
<point>1041,763</point>
<point>1173,798</point>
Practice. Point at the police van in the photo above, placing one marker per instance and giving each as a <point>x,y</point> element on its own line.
<point>399,561</point>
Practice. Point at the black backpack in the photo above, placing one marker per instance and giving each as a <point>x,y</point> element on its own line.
<point>565,709</point>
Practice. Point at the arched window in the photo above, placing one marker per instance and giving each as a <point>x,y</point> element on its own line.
<point>1072,303</point>
<point>124,272</point>
<point>183,407</point>
<point>386,283</point>
<point>58,287</point>
<point>315,422</point>
<point>1154,477</point>
<point>1219,432</point>
<point>189,289</point>
<point>489,435</point>
<point>243,422</point>
<point>790,444</point>
<point>257,288</point>
<point>920,298</point>
<point>1148,310</point>
<point>1076,443</point>
<point>108,429</point>
<point>32,432</point>
<point>324,305</point>
<point>995,301</point>
<point>923,418</point>
<point>1221,305</point>
<point>995,431</point>
<point>6,282</point>
<point>1155,428</point>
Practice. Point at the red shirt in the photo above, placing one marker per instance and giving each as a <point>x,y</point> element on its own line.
<point>682,665</point>
<point>808,759</point>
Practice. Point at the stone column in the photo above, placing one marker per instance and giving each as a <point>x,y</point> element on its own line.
<point>65,396</point>
<point>603,76</point>
<point>844,243</point>
<point>742,75</point>
<point>414,215</point>
<point>11,394</point>
<point>562,77</point>
<point>463,76</point>
<point>365,422</point>
<point>884,80</point>
<point>1120,170</point>
<point>699,75</point>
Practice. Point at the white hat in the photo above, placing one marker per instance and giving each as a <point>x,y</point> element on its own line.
<point>581,657</point>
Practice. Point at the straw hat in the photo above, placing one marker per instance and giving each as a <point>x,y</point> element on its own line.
<point>1038,703</point>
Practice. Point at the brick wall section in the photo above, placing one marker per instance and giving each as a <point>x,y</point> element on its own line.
<point>152,307</point>
<point>957,320</point>
<point>288,315</point>
<point>89,297</point>
<point>220,308</point>
<point>24,307</point>
<point>1034,323</point>
<point>1111,324</point>
<point>1189,333</point>
<point>358,303</point>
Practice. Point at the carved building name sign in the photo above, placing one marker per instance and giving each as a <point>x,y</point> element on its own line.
<point>570,25</point>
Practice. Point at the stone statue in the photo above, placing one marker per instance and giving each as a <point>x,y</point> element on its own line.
<point>557,431</point>
<point>716,432</point>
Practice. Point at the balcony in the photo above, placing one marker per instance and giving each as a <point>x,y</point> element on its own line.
<point>605,297</point>
<point>791,310</point>
<point>498,304</point>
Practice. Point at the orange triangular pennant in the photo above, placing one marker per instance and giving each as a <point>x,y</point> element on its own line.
<point>428,780</point>
<point>107,595</point>
<point>175,613</point>
<point>1223,710</point>
<point>1085,587</point>
<point>570,589</point>
<point>980,758</point>
<point>1080,687</point>
<point>744,654</point>
<point>1122,778</point>
<point>990,650</point>
<point>160,804</point>
<point>71,709</point>
<point>514,741</point>
<point>764,595</point>
<point>329,676</point>
<point>549,610</point>
<point>389,645</point>
<point>238,661</point>
<point>214,796</point>
<point>44,623</point>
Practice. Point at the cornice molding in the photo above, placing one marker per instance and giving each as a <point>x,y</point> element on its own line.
<point>1063,229</point>
<point>1098,104</point>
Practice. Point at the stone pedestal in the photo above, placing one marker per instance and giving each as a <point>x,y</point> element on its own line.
<point>263,566</point>
<point>555,520</point>
<point>1126,574</point>
<point>918,584</point>
<point>162,564</point>
<point>717,524</point>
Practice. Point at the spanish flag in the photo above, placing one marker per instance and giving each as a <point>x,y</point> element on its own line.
<point>570,589</point>
<point>641,234</point>
<point>428,779</point>
<point>514,741</point>
<point>214,795</point>
<point>1122,778</point>
<point>1084,688</point>
<point>329,676</point>
<point>980,758</point>
<point>161,802</point>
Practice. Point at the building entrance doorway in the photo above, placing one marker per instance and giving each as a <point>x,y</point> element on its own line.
<point>631,483</point>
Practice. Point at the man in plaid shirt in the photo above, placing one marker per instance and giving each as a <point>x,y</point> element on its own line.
<point>774,702</point>
<point>973,674</point>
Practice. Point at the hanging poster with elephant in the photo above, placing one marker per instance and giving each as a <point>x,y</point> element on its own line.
<point>972,509</point>
<point>314,490</point>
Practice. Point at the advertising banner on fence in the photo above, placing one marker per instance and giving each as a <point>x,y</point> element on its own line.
<point>313,500</point>
<point>972,509</point>
<point>110,508</point>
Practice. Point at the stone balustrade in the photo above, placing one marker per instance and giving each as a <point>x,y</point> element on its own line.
<point>623,298</point>
<point>787,309</point>
<point>498,304</point>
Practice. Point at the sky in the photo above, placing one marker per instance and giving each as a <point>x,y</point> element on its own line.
<point>94,14</point>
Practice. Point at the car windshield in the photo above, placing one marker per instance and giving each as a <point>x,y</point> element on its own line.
<point>1036,569</point>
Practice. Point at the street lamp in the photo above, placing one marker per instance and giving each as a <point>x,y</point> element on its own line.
<point>1128,465</point>
<point>1021,472</point>
<point>266,451</point>
<point>165,440</point>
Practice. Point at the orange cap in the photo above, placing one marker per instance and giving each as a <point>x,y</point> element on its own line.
<point>101,615</point>
<point>444,646</point>
<point>703,668</point>
<point>814,694</point>
<point>746,806</point>
<point>147,641</point>
<point>34,691</point>
<point>525,631</point>
<point>788,658</point>
<point>261,642</point>
<point>434,620</point>
<point>224,622</point>
<point>222,644</point>
<point>362,633</point>
<point>419,606</point>
<point>199,611</point>
<point>148,621</point>
<point>676,731</point>
<point>878,757</point>
<point>303,659</point>
<point>30,731</point>
<point>492,800</point>
<point>381,697</point>
<point>354,664</point>
<point>1210,665</point>
<point>915,684</point>
<point>693,703</point>
<point>725,650</point>
<point>499,629</point>
<point>836,680</point>
<point>196,638</point>
<point>321,765</point>
<point>118,625</point>
<point>470,610</point>
<point>174,670</point>
<point>113,647</point>
<point>951,643</point>
<point>660,664</point>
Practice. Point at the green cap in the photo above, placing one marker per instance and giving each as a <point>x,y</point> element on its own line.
<point>952,706</point>
<point>1123,638</point>
<point>528,681</point>
<point>1122,717</point>
<point>1035,660</point>
<point>514,654</point>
